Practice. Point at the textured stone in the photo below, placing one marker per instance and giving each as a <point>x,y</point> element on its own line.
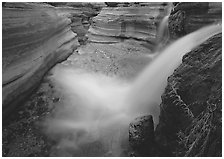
<point>136,21</point>
<point>187,17</point>
<point>141,136</point>
<point>35,38</point>
<point>80,15</point>
<point>191,105</point>
<point>193,93</point>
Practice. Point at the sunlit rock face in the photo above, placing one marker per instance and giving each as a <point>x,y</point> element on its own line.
<point>138,21</point>
<point>187,17</point>
<point>34,39</point>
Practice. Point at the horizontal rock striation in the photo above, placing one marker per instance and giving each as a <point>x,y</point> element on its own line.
<point>80,15</point>
<point>135,21</point>
<point>191,109</point>
<point>187,17</point>
<point>34,39</point>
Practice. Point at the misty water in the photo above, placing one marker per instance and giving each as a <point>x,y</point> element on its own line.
<point>93,117</point>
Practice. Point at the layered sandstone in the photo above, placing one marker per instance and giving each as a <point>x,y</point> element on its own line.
<point>35,38</point>
<point>80,15</point>
<point>138,21</point>
<point>195,86</point>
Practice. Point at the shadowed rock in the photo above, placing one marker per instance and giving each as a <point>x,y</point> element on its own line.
<point>187,17</point>
<point>111,4</point>
<point>141,136</point>
<point>190,117</point>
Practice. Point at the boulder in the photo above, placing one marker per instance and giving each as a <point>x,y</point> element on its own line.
<point>190,116</point>
<point>141,136</point>
<point>34,39</point>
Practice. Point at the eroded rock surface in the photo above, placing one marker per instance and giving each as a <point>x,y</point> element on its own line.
<point>135,21</point>
<point>190,119</point>
<point>35,38</point>
<point>24,136</point>
<point>191,103</point>
<point>187,17</point>
<point>80,15</point>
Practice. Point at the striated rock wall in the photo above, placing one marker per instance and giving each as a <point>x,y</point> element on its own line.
<point>191,109</point>
<point>80,15</point>
<point>35,38</point>
<point>138,21</point>
<point>187,17</point>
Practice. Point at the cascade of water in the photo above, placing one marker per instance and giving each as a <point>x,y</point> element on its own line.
<point>97,108</point>
<point>149,86</point>
<point>162,36</point>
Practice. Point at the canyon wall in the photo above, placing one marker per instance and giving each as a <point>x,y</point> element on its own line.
<point>187,17</point>
<point>80,15</point>
<point>190,121</point>
<point>23,134</point>
<point>138,21</point>
<point>191,109</point>
<point>35,38</point>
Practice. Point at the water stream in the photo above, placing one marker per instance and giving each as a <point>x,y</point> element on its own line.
<point>93,117</point>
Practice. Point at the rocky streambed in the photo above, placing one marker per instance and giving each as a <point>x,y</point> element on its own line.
<point>119,43</point>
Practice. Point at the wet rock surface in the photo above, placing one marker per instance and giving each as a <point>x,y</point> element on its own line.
<point>190,117</point>
<point>141,136</point>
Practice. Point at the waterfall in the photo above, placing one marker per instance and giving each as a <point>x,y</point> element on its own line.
<point>145,93</point>
<point>92,118</point>
<point>162,36</point>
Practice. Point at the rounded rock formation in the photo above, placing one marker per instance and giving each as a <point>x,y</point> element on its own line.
<point>35,38</point>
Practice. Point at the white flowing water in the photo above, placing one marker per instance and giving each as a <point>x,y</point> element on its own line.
<point>93,117</point>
